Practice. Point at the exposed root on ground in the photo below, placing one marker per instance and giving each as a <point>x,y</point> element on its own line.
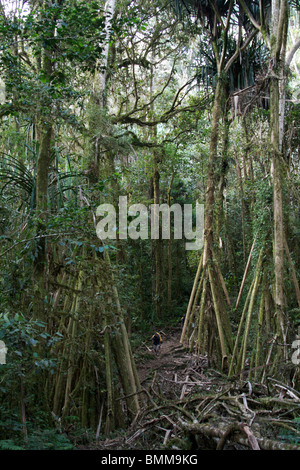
<point>189,406</point>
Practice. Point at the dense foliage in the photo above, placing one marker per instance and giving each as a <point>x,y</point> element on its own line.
<point>162,102</point>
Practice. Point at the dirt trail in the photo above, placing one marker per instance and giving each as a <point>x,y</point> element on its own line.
<point>189,404</point>
<point>172,356</point>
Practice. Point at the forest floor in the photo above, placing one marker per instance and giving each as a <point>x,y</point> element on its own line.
<point>170,357</point>
<point>189,406</point>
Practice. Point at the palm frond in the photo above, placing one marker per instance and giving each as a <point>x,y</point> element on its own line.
<point>14,172</point>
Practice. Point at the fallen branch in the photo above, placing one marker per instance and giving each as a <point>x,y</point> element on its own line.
<point>223,433</point>
<point>238,428</point>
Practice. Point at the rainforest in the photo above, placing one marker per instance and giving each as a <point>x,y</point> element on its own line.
<point>149,189</point>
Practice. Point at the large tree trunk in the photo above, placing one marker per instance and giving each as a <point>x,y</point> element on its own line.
<point>278,48</point>
<point>210,187</point>
<point>212,314</point>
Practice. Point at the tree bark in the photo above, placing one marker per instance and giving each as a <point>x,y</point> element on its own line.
<point>278,48</point>
<point>210,187</point>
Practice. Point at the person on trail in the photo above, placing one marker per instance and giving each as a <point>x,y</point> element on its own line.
<point>156,341</point>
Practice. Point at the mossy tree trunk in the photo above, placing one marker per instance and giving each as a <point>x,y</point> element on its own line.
<point>210,292</point>
<point>213,314</point>
<point>278,51</point>
<point>45,131</point>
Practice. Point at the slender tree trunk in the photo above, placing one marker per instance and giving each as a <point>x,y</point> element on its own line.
<point>170,264</point>
<point>110,417</point>
<point>109,12</point>
<point>42,175</point>
<point>239,177</point>
<point>156,244</point>
<point>43,164</point>
<point>219,209</point>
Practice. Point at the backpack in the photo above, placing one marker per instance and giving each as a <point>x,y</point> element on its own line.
<point>156,338</point>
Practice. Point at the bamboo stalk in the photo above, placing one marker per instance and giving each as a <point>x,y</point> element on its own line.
<point>269,357</point>
<point>72,348</point>
<point>245,275</point>
<point>109,378</point>
<point>259,327</point>
<point>192,315</point>
<point>99,422</point>
<point>82,382</point>
<point>64,355</point>
<point>251,306</point>
<point>240,329</point>
<point>222,283</point>
<point>224,314</point>
<point>218,318</point>
<point>201,314</point>
<point>191,299</point>
<point>122,348</point>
